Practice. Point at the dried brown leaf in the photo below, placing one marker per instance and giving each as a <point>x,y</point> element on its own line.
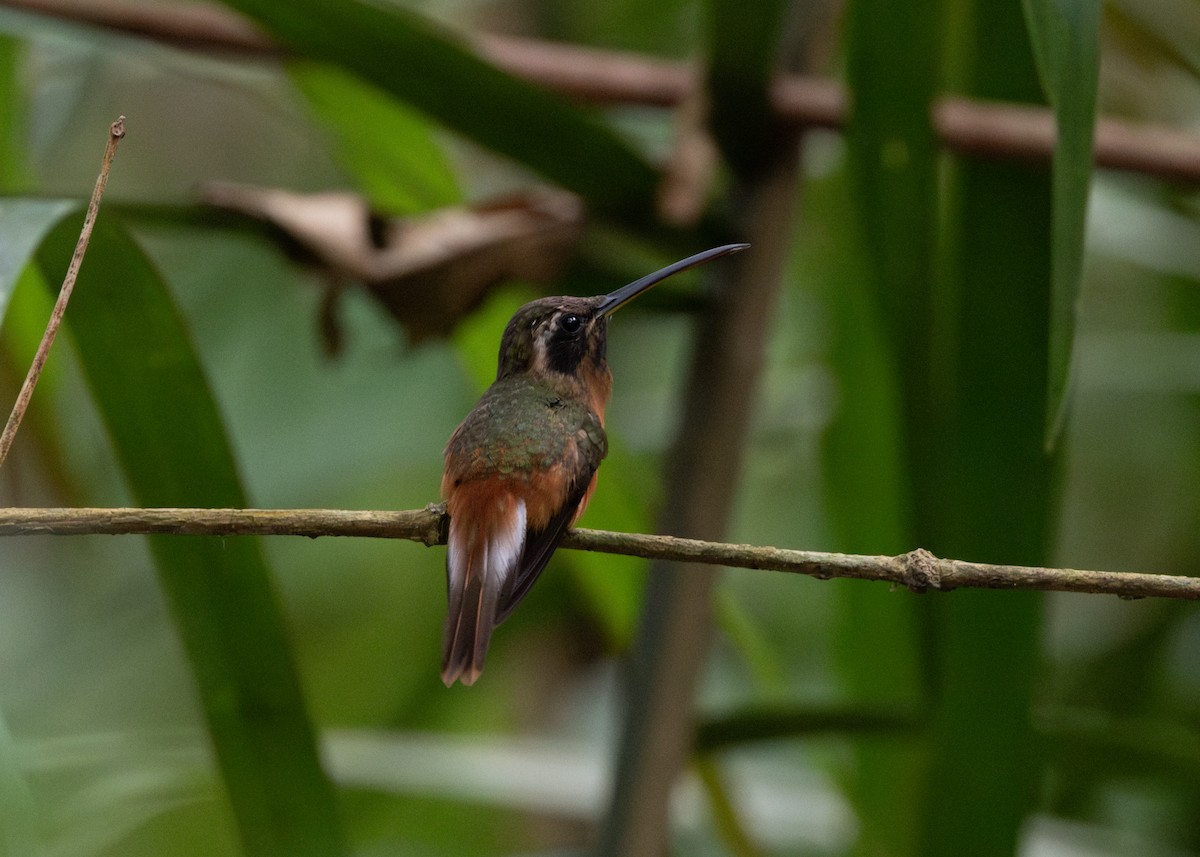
<point>427,271</point>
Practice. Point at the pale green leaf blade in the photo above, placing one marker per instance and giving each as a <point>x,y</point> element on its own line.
<point>23,225</point>
<point>385,146</point>
<point>1065,35</point>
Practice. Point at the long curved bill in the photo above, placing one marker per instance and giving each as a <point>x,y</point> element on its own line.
<point>614,301</point>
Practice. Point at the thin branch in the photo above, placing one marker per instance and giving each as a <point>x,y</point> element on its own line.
<point>418,525</point>
<point>917,570</point>
<point>115,132</point>
<point>992,130</point>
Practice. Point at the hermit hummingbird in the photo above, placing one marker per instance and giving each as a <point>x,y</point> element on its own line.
<point>521,467</point>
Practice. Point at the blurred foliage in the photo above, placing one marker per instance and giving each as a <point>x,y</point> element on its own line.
<point>909,387</point>
<point>1066,45</point>
<point>385,146</point>
<point>168,437</point>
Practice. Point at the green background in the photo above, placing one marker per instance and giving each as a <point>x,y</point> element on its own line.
<point>995,360</point>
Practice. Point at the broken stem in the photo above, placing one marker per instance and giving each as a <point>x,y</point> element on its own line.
<point>115,132</point>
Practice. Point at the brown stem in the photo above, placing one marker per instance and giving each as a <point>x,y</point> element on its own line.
<point>115,132</point>
<point>704,470</point>
<point>990,130</point>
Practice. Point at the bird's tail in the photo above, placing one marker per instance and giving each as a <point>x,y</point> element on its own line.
<point>487,535</point>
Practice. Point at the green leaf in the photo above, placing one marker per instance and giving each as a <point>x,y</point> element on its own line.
<point>24,223</point>
<point>1094,742</point>
<point>754,724</point>
<point>892,63</point>
<point>884,438</point>
<point>385,146</point>
<point>1065,35</point>
<point>989,481</point>
<point>153,397</point>
<point>408,56</point>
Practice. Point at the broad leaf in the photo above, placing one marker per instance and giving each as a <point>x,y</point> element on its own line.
<point>990,494</point>
<point>152,395</point>
<point>408,56</point>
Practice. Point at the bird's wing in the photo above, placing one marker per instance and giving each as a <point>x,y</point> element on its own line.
<point>588,448</point>
<point>539,547</point>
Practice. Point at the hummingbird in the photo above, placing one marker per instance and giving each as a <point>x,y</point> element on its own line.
<point>521,466</point>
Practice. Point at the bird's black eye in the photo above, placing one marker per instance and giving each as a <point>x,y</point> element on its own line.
<point>571,323</point>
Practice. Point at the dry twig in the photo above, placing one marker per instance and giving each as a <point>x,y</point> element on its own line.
<point>917,570</point>
<point>115,132</point>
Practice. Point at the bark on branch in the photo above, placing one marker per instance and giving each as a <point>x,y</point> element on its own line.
<point>917,570</point>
